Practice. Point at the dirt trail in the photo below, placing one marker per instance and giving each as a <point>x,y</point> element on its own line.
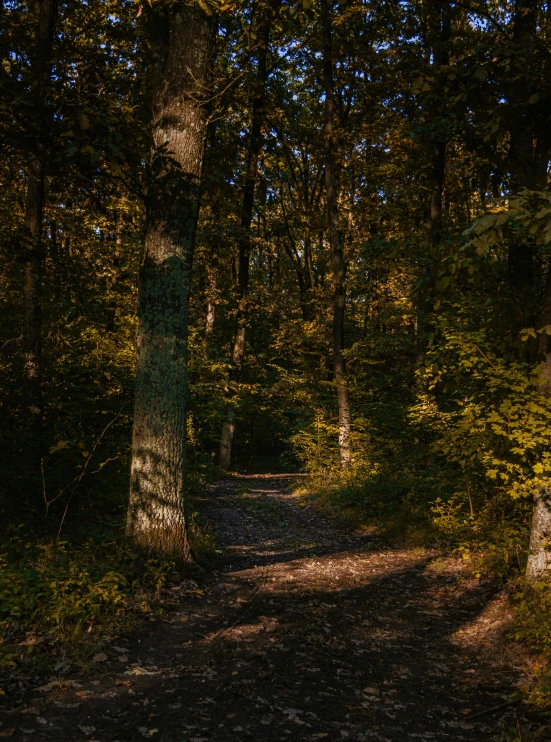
<point>308,633</point>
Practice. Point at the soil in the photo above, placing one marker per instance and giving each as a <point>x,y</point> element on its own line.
<point>309,631</point>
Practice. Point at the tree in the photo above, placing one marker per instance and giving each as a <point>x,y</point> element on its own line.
<point>335,240</point>
<point>528,160</point>
<point>263,28</point>
<point>33,257</point>
<point>182,46</point>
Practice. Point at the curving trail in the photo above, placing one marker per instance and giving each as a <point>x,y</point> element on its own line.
<point>308,633</point>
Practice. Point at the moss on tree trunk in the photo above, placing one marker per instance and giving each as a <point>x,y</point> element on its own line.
<point>182,42</point>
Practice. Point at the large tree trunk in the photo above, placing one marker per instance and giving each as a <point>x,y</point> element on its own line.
<point>182,43</point>
<point>335,239</point>
<point>539,556</point>
<point>33,258</point>
<point>251,174</point>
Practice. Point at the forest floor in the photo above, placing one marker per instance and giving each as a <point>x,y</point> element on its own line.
<point>308,631</point>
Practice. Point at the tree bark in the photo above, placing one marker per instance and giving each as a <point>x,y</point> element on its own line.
<point>523,166</point>
<point>303,270</point>
<point>182,45</point>
<point>539,554</point>
<point>441,58</point>
<point>212,276</point>
<point>539,557</point>
<point>528,149</point>
<point>335,240</point>
<point>267,14</point>
<point>212,292</point>
<point>438,178</point>
<point>522,163</point>
<point>33,258</point>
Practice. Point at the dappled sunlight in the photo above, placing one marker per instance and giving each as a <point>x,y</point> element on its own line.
<point>347,637</point>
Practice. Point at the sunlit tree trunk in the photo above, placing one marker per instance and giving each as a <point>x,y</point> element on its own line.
<point>182,44</point>
<point>114,312</point>
<point>335,239</point>
<point>306,279</point>
<point>211,292</point>
<point>213,260</point>
<point>539,556</point>
<point>251,174</point>
<point>212,276</point>
<point>33,258</point>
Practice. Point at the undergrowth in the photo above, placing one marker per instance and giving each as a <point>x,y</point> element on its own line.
<point>519,733</point>
<point>61,597</point>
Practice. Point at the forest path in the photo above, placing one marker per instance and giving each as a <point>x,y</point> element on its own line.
<point>309,632</point>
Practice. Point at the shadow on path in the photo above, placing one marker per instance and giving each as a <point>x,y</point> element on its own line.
<point>309,633</point>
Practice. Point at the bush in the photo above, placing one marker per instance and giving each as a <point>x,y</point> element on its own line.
<point>53,592</point>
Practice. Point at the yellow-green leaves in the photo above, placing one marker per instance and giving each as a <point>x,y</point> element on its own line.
<point>421,84</point>
<point>527,333</point>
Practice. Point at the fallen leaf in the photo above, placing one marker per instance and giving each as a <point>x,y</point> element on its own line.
<point>138,670</point>
<point>87,730</point>
<point>47,687</point>
<point>7,732</point>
